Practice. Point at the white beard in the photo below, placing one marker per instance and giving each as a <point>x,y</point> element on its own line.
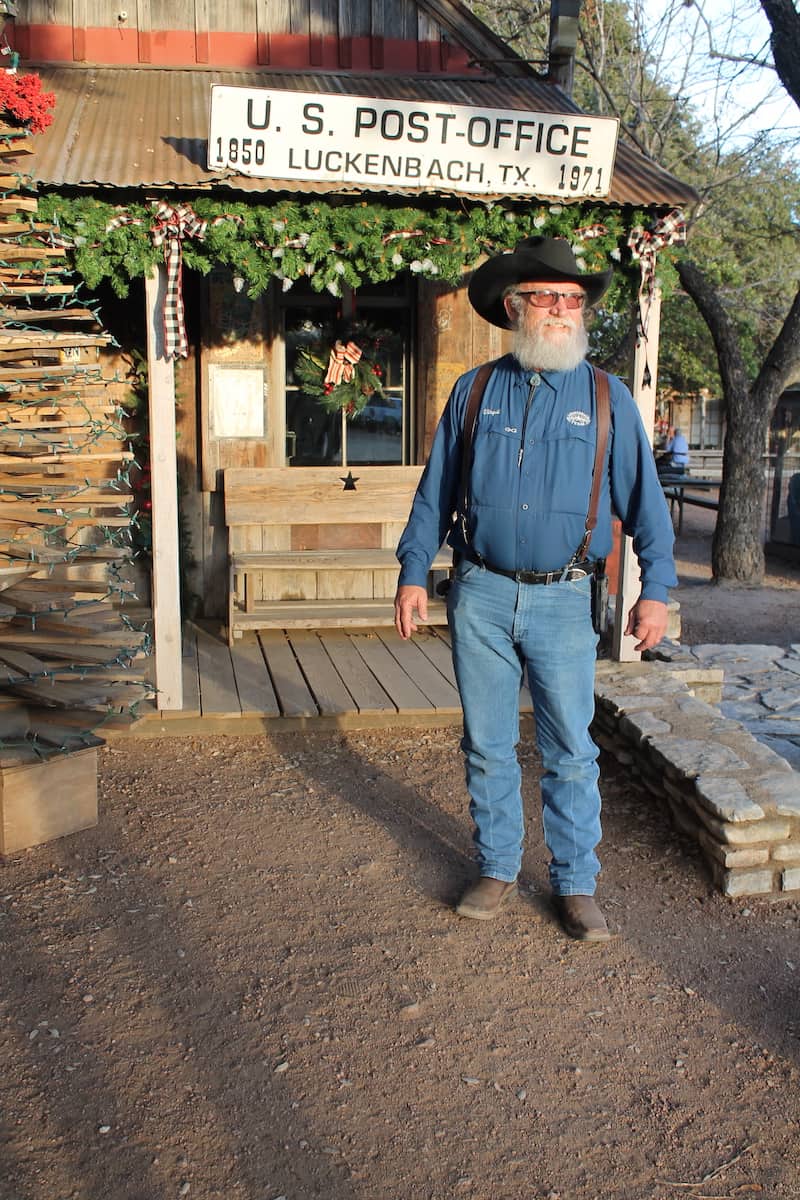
<point>536,352</point>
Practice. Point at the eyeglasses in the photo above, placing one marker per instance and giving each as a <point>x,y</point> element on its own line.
<point>540,298</point>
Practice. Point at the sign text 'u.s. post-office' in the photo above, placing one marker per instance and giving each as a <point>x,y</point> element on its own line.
<point>360,140</point>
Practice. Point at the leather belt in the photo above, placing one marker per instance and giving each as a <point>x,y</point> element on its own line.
<point>578,570</point>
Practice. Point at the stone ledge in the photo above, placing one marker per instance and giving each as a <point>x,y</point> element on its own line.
<point>736,797</point>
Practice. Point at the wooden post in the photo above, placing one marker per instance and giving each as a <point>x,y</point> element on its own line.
<point>164,494</point>
<point>645,376</point>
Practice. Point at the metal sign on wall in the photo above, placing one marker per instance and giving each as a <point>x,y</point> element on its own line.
<point>358,140</point>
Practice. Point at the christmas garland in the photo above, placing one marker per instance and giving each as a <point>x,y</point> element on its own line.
<point>348,376</point>
<point>333,244</point>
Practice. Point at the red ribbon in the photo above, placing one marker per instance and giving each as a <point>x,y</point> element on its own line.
<point>341,363</point>
<point>644,244</point>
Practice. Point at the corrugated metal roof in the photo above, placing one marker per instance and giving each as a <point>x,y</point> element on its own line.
<point>138,127</point>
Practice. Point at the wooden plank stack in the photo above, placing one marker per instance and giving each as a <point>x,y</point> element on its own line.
<point>70,657</point>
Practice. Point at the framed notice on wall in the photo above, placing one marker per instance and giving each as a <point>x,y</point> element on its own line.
<point>236,396</point>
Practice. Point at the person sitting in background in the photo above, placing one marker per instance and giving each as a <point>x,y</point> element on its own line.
<point>675,458</point>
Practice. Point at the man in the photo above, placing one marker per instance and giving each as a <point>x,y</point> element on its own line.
<point>675,458</point>
<point>518,598</point>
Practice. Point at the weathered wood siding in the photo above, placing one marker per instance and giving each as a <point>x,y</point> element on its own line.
<point>332,34</point>
<point>452,340</point>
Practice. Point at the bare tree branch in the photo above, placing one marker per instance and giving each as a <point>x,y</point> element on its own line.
<point>747,59</point>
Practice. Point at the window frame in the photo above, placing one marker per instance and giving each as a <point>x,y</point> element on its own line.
<point>350,305</point>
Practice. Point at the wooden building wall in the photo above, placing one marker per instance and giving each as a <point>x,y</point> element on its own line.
<point>452,339</point>
<point>236,335</point>
<point>242,334</point>
<point>329,34</point>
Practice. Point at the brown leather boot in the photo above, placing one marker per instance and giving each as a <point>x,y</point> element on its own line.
<point>484,899</point>
<point>581,918</point>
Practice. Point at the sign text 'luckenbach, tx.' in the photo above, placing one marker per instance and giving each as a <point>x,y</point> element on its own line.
<point>358,140</point>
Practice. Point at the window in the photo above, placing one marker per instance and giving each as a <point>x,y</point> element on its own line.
<point>381,433</point>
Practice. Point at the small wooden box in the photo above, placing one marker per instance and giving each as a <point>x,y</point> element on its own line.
<point>40,801</point>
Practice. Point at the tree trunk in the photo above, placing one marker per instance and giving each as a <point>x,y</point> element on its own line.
<point>737,552</point>
<point>785,21</point>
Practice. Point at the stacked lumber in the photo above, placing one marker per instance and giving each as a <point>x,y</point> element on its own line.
<point>70,657</point>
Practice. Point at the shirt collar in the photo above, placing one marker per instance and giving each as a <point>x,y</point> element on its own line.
<point>554,379</point>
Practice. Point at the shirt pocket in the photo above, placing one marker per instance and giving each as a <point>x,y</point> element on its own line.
<point>494,472</point>
<point>564,461</point>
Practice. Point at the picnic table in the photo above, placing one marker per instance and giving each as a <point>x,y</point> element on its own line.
<point>680,489</point>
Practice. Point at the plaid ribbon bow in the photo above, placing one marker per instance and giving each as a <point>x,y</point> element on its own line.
<point>587,232</point>
<point>644,245</point>
<point>169,229</point>
<point>341,363</point>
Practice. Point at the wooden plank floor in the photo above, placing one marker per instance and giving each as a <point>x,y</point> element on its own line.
<point>298,679</point>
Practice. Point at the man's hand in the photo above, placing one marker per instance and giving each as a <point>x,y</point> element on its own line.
<point>409,597</point>
<point>647,621</point>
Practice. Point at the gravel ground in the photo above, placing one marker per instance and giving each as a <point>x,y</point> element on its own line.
<point>766,615</point>
<point>248,982</point>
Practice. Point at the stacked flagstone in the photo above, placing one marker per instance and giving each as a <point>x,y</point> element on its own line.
<point>762,690</point>
<point>738,798</point>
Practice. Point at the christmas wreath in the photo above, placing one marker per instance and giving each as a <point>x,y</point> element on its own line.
<point>346,374</point>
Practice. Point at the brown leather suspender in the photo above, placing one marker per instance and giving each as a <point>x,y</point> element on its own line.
<point>603,409</point>
<point>470,421</point>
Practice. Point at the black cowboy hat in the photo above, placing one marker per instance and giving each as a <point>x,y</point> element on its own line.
<point>534,260</point>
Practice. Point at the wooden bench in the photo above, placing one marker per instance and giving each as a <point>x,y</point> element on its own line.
<point>314,547</point>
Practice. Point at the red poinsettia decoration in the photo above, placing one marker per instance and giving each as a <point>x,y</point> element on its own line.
<point>23,102</point>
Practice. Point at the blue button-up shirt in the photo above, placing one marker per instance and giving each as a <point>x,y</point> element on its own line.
<point>679,448</point>
<point>531,478</point>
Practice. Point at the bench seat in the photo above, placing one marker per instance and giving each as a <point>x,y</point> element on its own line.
<point>700,502</point>
<point>314,547</point>
<point>328,560</point>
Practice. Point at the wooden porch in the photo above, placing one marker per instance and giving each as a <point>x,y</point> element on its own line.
<point>308,679</point>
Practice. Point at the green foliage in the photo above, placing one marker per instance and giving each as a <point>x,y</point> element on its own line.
<point>117,255</point>
<point>328,243</point>
<point>747,243</point>
<point>687,363</point>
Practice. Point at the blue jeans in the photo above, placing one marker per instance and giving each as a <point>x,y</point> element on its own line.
<point>498,627</point>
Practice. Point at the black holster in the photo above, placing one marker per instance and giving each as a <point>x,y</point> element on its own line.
<point>600,597</point>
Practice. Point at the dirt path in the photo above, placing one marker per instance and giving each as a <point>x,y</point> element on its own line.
<point>248,982</point>
<point>764,615</point>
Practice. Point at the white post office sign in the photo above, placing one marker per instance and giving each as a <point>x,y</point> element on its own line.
<point>396,143</point>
